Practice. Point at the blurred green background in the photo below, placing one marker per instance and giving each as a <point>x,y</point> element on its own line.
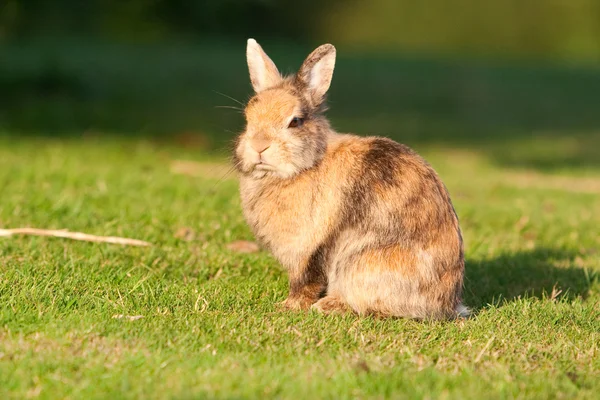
<point>504,76</point>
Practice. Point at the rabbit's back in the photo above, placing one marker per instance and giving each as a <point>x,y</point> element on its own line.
<point>398,249</point>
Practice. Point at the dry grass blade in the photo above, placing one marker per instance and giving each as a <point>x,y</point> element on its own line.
<point>243,246</point>
<point>485,348</point>
<point>128,317</point>
<point>73,235</point>
<point>555,293</point>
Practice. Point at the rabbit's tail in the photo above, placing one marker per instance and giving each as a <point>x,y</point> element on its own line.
<point>462,311</point>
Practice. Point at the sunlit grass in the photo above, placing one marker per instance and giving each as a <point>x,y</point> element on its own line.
<point>210,327</point>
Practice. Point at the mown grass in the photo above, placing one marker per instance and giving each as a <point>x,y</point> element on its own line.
<point>210,327</point>
<point>519,154</point>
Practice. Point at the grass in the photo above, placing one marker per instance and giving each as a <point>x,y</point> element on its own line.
<point>210,327</point>
<point>526,195</point>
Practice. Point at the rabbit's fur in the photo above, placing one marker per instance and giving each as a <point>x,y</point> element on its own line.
<point>359,223</point>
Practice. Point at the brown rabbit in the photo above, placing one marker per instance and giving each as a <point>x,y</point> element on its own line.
<point>360,223</point>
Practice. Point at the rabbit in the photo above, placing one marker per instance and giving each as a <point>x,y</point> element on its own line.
<point>361,224</point>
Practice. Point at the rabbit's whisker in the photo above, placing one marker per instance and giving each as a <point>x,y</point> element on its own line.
<point>231,98</point>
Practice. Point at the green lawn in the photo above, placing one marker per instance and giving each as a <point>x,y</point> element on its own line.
<point>518,148</point>
<point>210,327</point>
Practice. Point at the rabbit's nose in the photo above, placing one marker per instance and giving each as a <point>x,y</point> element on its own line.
<point>260,145</point>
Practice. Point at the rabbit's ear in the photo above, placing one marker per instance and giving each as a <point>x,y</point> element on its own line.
<point>263,72</point>
<point>316,73</point>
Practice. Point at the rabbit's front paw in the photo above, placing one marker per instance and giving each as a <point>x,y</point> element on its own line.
<point>331,305</point>
<point>296,303</point>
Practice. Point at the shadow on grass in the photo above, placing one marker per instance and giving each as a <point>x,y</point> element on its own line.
<point>532,273</point>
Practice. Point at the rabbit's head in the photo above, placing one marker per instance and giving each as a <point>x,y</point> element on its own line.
<point>286,132</point>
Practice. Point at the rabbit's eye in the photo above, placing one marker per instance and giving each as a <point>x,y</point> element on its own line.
<point>296,122</point>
